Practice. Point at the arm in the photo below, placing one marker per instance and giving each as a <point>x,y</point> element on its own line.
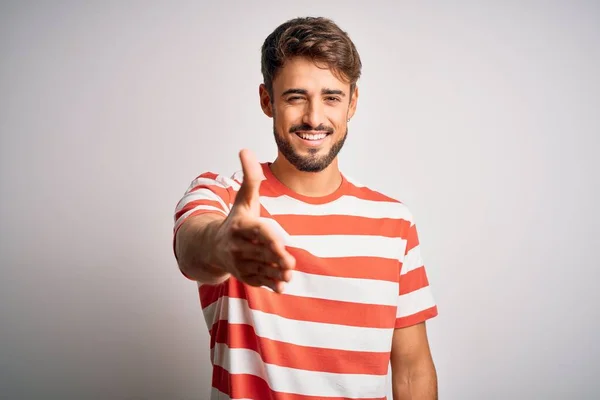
<point>214,241</point>
<point>198,214</point>
<point>413,372</point>
<point>194,242</point>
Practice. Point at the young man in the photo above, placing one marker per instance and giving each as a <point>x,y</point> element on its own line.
<point>310,283</point>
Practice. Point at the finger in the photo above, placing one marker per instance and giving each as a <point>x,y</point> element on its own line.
<point>278,287</point>
<point>253,176</point>
<point>253,280</point>
<point>243,250</point>
<point>261,233</point>
<point>252,267</point>
<point>277,244</point>
<point>258,281</point>
<point>286,275</point>
<point>286,260</point>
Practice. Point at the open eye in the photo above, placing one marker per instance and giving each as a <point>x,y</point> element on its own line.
<point>332,99</point>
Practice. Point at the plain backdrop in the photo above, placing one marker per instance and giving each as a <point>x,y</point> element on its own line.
<point>482,116</point>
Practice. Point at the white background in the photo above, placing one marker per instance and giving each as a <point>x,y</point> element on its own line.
<point>483,117</point>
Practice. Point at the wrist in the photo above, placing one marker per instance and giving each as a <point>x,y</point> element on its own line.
<point>213,255</point>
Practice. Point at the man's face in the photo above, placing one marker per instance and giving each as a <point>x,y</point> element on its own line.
<point>310,108</point>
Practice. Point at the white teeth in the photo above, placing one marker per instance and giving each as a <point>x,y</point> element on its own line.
<point>307,136</point>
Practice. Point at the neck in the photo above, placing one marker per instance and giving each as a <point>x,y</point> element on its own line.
<point>313,184</point>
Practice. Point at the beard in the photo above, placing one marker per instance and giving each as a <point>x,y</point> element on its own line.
<point>313,162</point>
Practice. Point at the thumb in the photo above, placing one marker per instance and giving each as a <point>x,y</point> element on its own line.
<point>253,176</point>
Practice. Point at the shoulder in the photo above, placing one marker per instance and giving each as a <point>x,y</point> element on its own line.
<point>378,198</point>
<point>211,178</point>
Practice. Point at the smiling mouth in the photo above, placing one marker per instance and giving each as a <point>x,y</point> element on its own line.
<point>312,136</point>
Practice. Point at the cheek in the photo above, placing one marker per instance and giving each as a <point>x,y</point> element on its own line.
<point>291,113</point>
<point>338,118</point>
<point>287,117</point>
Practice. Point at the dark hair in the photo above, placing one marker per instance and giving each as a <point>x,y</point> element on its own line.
<point>316,38</point>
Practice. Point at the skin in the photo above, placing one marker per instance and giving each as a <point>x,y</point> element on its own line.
<point>304,94</point>
<point>414,375</point>
<point>308,95</point>
<point>210,248</point>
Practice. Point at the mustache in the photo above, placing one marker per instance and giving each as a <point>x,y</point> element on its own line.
<point>306,127</point>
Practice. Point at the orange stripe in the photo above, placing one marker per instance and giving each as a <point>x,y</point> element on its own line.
<point>302,308</point>
<point>350,267</point>
<point>195,203</point>
<point>369,194</point>
<point>216,189</point>
<point>412,239</point>
<point>242,336</point>
<point>267,190</point>
<point>254,387</point>
<point>341,225</point>
<point>240,385</point>
<point>416,318</point>
<point>413,280</point>
<point>347,267</point>
<point>263,211</point>
<point>211,293</point>
<point>208,175</point>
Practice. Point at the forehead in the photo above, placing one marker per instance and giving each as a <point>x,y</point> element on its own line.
<point>303,73</point>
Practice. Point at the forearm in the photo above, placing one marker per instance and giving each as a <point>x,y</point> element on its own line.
<point>194,247</point>
<point>416,384</point>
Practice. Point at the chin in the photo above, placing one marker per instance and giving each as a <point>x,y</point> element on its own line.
<point>309,163</point>
<point>309,158</point>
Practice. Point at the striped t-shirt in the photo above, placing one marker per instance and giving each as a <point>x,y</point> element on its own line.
<point>359,274</point>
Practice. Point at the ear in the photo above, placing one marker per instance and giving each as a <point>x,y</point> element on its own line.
<point>265,100</point>
<point>353,102</point>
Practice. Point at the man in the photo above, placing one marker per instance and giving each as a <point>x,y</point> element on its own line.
<point>310,283</point>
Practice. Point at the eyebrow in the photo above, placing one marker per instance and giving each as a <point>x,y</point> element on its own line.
<point>333,91</point>
<point>305,92</point>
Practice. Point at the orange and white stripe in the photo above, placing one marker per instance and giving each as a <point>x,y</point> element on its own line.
<point>359,275</point>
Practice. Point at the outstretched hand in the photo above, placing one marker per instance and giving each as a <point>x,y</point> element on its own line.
<point>247,247</point>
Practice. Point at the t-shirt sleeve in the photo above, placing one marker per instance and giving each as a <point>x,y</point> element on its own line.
<point>208,193</point>
<point>415,300</point>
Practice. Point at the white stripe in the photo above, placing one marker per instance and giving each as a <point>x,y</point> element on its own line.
<point>200,194</point>
<point>414,302</point>
<point>354,290</point>
<point>228,182</point>
<point>209,313</point>
<point>188,213</point>
<point>342,245</point>
<point>238,176</point>
<point>412,260</point>
<point>350,245</point>
<point>345,205</point>
<point>221,181</point>
<point>302,333</point>
<point>291,380</point>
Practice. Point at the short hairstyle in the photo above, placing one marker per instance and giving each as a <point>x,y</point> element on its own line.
<point>316,38</point>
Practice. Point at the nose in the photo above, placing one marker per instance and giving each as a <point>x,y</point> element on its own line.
<point>314,114</point>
